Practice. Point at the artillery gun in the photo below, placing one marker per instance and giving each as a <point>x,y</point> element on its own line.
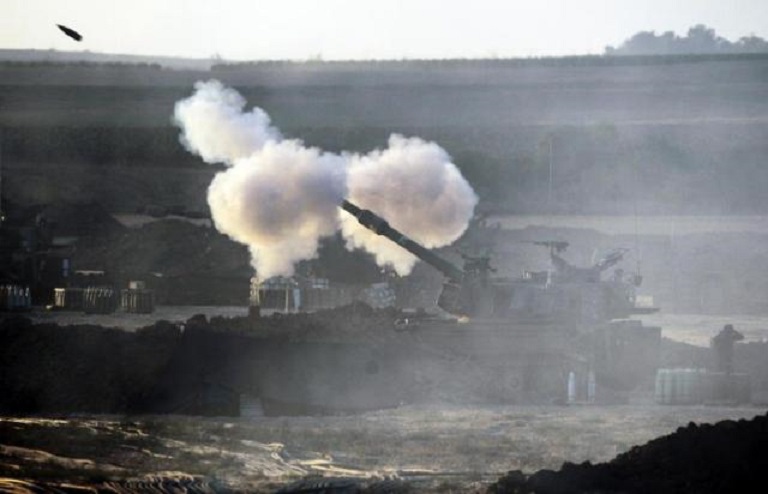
<point>543,337</point>
<point>531,335</point>
<point>565,293</point>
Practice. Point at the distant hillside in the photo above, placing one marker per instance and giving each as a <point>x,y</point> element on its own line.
<point>55,56</point>
<point>656,135</point>
<point>648,135</point>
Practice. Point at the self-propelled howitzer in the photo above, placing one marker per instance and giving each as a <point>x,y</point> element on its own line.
<point>530,339</point>
<point>564,293</point>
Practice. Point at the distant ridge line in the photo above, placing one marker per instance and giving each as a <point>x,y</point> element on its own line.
<point>571,60</point>
<point>23,56</point>
<point>32,56</point>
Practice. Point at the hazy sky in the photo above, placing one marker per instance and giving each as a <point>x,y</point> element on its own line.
<point>363,29</point>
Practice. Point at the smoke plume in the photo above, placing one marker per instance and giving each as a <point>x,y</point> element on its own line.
<point>280,197</point>
<point>216,128</point>
<point>416,188</point>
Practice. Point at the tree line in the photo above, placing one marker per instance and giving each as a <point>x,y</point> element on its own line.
<point>700,40</point>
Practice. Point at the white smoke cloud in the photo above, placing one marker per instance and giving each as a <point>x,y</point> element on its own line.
<point>279,197</point>
<point>279,202</point>
<point>415,187</point>
<point>216,128</point>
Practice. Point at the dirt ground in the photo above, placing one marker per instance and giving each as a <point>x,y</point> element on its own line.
<point>424,449</point>
<point>417,448</point>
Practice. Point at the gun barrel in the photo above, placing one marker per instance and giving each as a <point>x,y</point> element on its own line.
<point>379,225</point>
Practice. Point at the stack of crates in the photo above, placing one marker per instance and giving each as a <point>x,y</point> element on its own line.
<point>15,297</point>
<point>137,299</point>
<point>99,300</point>
<point>68,298</point>
<point>681,386</point>
<point>699,386</point>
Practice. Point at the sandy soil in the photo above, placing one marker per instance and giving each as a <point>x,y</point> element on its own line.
<point>432,449</point>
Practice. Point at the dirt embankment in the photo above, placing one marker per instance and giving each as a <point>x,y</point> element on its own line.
<point>725,457</point>
<point>184,263</point>
<point>161,368</point>
<point>50,369</point>
<point>176,367</point>
<point>46,368</point>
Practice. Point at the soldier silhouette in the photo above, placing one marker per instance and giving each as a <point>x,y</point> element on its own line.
<point>722,344</point>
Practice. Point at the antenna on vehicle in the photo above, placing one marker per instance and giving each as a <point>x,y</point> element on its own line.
<point>549,186</point>
<point>637,235</point>
<point>2,213</point>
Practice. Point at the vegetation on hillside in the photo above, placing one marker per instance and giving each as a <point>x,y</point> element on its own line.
<point>700,39</point>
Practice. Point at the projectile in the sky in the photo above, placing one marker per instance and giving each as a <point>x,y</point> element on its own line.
<point>70,32</point>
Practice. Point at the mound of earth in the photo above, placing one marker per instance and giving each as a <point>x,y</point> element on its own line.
<point>725,457</point>
<point>191,264</point>
<point>48,368</point>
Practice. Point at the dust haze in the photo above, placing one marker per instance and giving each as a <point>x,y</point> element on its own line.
<point>346,357</point>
